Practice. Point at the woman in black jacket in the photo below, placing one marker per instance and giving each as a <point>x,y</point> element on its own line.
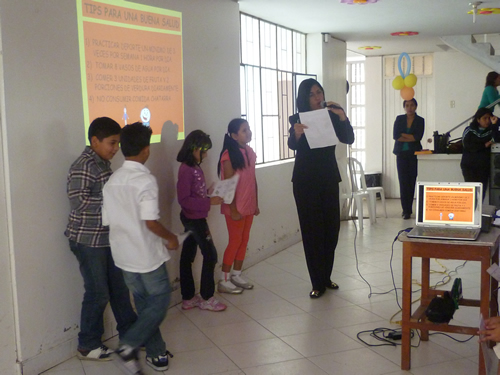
<point>477,140</point>
<point>315,181</point>
<point>407,133</point>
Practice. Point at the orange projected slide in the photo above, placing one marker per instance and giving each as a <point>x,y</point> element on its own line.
<point>449,204</point>
<point>131,62</point>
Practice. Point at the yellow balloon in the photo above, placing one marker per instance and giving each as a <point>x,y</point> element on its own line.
<point>398,83</point>
<point>410,80</point>
<point>407,93</point>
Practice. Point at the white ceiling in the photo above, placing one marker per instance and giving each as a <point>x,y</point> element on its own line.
<point>372,24</point>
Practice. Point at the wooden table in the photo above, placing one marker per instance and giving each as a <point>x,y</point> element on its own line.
<point>484,250</point>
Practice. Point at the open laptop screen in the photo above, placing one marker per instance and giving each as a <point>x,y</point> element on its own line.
<point>450,204</point>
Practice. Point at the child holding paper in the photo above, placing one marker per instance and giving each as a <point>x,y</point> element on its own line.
<point>195,204</point>
<point>238,158</point>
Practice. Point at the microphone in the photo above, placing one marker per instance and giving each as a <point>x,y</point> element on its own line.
<point>325,105</point>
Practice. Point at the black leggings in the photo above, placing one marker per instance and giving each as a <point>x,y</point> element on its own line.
<point>200,237</point>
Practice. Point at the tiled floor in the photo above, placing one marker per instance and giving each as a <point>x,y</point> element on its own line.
<point>277,329</point>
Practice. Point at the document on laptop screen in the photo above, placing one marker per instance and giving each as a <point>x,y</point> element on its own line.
<point>452,204</point>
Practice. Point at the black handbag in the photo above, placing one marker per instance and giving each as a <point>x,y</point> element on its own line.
<point>441,309</point>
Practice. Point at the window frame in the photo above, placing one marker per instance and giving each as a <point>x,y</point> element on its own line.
<point>267,102</point>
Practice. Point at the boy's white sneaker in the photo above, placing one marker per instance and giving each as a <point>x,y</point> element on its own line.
<point>128,361</point>
<point>103,353</point>
<point>159,363</point>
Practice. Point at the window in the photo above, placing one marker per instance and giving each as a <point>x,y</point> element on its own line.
<point>271,56</point>
<point>356,108</point>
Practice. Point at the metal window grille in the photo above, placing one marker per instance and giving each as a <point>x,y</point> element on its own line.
<point>271,55</point>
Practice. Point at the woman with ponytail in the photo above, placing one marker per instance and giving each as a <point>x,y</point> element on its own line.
<point>238,158</point>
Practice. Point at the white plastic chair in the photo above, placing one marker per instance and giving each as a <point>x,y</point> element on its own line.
<point>356,170</point>
<point>353,198</point>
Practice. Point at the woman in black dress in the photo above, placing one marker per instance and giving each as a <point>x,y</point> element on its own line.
<point>315,181</point>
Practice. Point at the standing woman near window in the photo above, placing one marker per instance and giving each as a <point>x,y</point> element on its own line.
<point>408,131</point>
<point>315,181</point>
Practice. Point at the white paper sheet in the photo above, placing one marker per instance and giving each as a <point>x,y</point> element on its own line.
<point>226,188</point>
<point>180,238</point>
<point>496,222</point>
<point>320,131</point>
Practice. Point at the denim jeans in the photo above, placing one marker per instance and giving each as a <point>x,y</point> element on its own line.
<point>200,237</point>
<point>151,292</point>
<point>103,283</point>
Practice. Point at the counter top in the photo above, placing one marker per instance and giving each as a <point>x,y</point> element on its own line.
<point>439,157</point>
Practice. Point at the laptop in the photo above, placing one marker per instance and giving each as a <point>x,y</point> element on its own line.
<point>448,210</point>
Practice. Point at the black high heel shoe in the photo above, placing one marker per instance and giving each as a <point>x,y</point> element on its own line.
<point>315,294</point>
<point>332,285</point>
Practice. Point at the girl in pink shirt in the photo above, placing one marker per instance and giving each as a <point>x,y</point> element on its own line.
<point>238,158</point>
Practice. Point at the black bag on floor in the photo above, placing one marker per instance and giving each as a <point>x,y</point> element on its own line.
<point>441,309</point>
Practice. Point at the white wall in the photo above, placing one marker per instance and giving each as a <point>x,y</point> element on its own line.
<point>458,78</point>
<point>44,132</point>
<point>7,322</point>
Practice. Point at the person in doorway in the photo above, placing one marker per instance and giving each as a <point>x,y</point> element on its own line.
<point>407,133</point>
<point>315,181</point>
<point>490,92</point>
<point>477,140</point>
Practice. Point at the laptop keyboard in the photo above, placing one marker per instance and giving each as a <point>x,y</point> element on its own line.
<point>448,232</point>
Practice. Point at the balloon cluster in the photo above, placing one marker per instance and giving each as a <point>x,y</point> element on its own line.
<point>405,82</point>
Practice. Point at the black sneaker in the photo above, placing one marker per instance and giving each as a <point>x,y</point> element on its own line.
<point>103,353</point>
<point>128,361</point>
<point>159,363</point>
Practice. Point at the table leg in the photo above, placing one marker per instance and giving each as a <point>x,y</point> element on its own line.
<point>426,279</point>
<point>406,313</point>
<point>485,304</point>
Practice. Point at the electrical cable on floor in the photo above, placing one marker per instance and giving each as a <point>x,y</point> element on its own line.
<point>395,289</point>
<point>387,336</point>
<point>374,333</point>
<point>451,337</point>
<point>356,234</point>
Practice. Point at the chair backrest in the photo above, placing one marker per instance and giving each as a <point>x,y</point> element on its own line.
<point>356,171</point>
<point>345,185</point>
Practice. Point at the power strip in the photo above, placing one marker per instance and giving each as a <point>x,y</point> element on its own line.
<point>394,335</point>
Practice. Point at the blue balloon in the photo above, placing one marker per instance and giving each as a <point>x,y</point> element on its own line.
<point>408,66</point>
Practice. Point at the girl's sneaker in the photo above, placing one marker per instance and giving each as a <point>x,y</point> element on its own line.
<point>188,304</point>
<point>238,280</point>
<point>211,304</point>
<point>228,287</point>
